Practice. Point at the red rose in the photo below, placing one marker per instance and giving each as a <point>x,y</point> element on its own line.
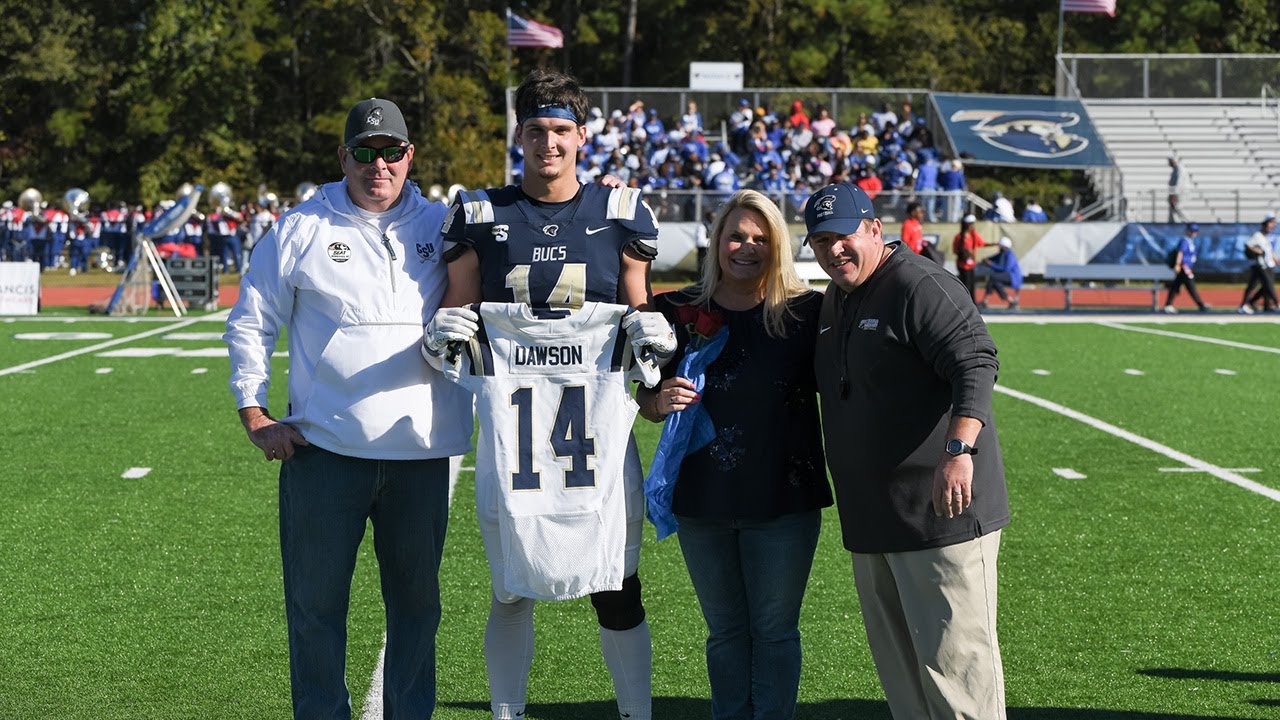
<point>707,323</point>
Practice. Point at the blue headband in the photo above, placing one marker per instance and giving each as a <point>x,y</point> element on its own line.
<point>552,111</point>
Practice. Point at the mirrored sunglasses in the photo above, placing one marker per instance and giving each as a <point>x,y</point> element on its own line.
<point>393,154</point>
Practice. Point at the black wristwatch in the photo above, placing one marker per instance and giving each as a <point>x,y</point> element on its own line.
<point>956,446</point>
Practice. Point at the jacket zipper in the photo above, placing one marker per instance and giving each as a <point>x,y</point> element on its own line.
<point>386,242</point>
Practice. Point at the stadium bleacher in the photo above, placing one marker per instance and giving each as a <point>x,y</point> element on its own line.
<point>1229,151</point>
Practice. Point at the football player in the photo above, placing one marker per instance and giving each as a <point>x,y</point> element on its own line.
<point>554,243</point>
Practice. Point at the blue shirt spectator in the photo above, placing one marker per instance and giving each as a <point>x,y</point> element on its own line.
<point>1187,246</point>
<point>927,174</point>
<point>951,176</point>
<point>772,182</point>
<point>726,154</point>
<point>695,147</point>
<point>896,172</point>
<point>725,181</point>
<point>1032,212</point>
<point>655,131</point>
<point>1006,261</point>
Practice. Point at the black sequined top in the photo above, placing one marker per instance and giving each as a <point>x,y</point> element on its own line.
<point>766,460</point>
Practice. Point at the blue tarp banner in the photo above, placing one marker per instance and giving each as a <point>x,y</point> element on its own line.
<point>1219,247</point>
<point>1040,132</point>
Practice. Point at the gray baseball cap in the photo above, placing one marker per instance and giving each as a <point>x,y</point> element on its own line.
<point>372,118</point>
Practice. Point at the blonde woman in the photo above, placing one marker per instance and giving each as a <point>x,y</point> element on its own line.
<point>749,503</point>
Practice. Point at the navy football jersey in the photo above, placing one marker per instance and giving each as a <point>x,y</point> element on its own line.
<point>560,255</point>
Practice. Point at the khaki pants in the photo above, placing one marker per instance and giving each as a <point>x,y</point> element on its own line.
<point>930,617</point>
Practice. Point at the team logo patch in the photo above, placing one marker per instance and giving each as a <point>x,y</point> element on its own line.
<point>550,230</point>
<point>826,205</point>
<point>1030,133</point>
<point>500,233</point>
<point>339,252</point>
<point>374,118</point>
<point>426,252</point>
<point>869,324</point>
<point>448,220</point>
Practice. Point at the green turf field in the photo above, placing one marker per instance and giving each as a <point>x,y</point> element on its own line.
<point>1139,591</point>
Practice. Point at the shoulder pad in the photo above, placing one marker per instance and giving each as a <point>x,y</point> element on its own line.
<point>622,203</point>
<point>476,204</point>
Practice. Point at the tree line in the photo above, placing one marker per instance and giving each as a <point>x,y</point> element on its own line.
<point>131,98</point>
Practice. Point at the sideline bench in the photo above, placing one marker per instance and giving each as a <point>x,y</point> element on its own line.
<point>1070,275</point>
<point>810,272</point>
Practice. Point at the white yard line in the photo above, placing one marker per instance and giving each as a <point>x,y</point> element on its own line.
<point>1192,470</point>
<point>1186,336</point>
<point>1176,455</point>
<point>1069,473</point>
<point>100,346</point>
<point>220,316</point>
<point>373,698</point>
<point>1082,317</point>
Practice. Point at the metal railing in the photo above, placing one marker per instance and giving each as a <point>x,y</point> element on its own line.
<point>1152,205</point>
<point>1274,106</point>
<point>1107,182</point>
<point>891,206</point>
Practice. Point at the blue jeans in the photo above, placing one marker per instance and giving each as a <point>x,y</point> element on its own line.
<point>325,500</point>
<point>750,578</point>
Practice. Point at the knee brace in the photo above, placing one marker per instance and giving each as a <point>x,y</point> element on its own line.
<point>620,609</point>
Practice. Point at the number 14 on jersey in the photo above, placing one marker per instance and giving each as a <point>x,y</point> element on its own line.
<point>569,438</point>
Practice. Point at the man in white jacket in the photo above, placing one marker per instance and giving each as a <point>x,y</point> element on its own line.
<point>354,273</point>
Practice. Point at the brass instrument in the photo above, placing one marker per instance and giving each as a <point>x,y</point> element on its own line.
<point>220,201</point>
<point>31,200</point>
<point>76,201</point>
<point>305,190</point>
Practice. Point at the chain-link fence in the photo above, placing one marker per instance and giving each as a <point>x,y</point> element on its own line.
<point>1183,76</point>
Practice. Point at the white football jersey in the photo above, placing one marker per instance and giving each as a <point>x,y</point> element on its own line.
<point>555,412</point>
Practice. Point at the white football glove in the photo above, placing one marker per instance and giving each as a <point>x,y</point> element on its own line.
<point>650,330</point>
<point>451,324</point>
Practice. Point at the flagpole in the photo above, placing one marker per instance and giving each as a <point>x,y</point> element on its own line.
<point>509,136</point>
<point>1061,13</point>
<point>506,75</point>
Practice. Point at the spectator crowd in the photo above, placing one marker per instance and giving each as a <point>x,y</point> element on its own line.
<point>784,154</point>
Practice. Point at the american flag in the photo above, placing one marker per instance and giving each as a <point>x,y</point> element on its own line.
<point>527,33</point>
<point>1090,6</point>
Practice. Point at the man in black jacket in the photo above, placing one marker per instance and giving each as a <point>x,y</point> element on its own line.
<point>905,371</point>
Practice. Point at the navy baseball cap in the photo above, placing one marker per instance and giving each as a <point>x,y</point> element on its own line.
<point>839,208</point>
<point>374,117</point>
<point>1193,228</point>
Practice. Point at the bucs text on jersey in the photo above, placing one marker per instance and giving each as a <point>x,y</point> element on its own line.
<point>555,412</point>
<point>550,254</point>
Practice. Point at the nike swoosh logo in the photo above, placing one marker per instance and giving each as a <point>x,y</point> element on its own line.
<point>593,231</point>
<point>822,330</point>
<point>864,212</point>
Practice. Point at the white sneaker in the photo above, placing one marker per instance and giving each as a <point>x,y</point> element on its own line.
<point>1170,310</point>
<point>1245,310</point>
